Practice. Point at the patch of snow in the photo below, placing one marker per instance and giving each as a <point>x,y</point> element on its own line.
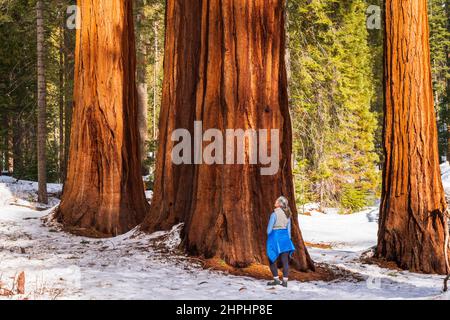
<point>24,193</point>
<point>148,194</point>
<point>5,194</point>
<point>445,171</point>
<point>352,232</point>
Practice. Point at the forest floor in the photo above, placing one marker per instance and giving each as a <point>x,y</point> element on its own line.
<point>58,265</point>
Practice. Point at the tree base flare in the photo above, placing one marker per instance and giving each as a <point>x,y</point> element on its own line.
<point>393,265</point>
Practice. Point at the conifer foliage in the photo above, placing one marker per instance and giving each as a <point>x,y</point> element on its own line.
<point>331,86</point>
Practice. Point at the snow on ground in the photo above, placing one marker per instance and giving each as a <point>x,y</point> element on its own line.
<point>445,171</point>
<point>352,232</point>
<point>133,266</point>
<point>24,192</point>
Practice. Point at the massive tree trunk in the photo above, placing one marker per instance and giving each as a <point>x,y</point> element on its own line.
<point>224,66</point>
<point>42,105</point>
<point>103,194</point>
<point>411,222</point>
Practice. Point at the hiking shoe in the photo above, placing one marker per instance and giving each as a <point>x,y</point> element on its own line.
<point>274,283</point>
<point>284,284</point>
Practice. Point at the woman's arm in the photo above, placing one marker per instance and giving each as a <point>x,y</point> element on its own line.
<point>289,228</point>
<point>273,219</point>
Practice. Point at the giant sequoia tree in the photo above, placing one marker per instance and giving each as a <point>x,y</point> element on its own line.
<point>412,225</point>
<point>224,66</point>
<point>103,193</point>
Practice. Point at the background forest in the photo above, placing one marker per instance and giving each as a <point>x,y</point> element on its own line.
<point>335,68</point>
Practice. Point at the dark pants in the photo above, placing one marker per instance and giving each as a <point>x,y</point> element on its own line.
<point>285,260</point>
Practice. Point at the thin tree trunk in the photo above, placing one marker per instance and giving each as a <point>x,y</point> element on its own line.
<point>447,9</point>
<point>42,105</point>
<point>142,87</point>
<point>104,194</point>
<point>10,142</point>
<point>224,66</point>
<point>4,144</point>
<point>142,123</point>
<point>61,100</point>
<point>411,231</point>
<point>155,80</point>
<point>68,105</point>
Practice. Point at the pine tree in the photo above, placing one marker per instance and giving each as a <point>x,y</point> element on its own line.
<point>331,92</point>
<point>439,47</point>
<point>149,15</point>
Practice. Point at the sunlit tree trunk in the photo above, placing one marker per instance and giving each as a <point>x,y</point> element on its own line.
<point>224,66</point>
<point>103,194</point>
<point>411,231</point>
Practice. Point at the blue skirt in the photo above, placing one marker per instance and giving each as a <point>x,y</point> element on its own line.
<point>279,242</point>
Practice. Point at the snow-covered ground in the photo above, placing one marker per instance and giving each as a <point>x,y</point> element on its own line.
<point>353,232</point>
<point>445,171</point>
<point>24,193</point>
<point>133,266</point>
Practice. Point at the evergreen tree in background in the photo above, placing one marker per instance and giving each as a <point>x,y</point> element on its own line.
<point>18,96</point>
<point>149,16</point>
<point>331,90</point>
<point>354,153</point>
<point>440,51</point>
<point>18,81</point>
<point>375,40</point>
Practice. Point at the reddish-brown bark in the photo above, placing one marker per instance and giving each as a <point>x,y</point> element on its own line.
<point>224,66</point>
<point>412,226</point>
<point>103,193</point>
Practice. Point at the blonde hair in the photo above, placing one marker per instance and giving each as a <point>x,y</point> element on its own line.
<point>284,203</point>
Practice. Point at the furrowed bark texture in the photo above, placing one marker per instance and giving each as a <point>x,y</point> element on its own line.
<point>224,66</point>
<point>411,231</point>
<point>103,194</point>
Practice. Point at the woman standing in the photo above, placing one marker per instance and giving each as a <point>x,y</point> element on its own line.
<point>279,243</point>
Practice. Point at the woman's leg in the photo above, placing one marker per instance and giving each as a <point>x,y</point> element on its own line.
<point>274,269</point>
<point>285,261</point>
